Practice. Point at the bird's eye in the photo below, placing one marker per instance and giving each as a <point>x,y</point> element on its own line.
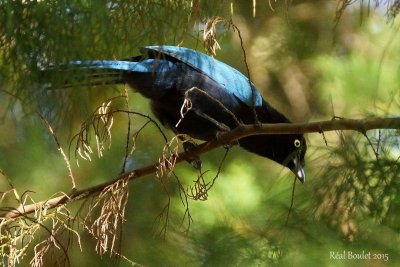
<point>297,143</point>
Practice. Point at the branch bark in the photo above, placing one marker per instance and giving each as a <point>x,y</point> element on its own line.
<point>360,125</point>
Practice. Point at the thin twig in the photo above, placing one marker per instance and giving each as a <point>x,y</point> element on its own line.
<point>128,131</point>
<point>376,152</point>
<point>253,89</point>
<point>291,201</point>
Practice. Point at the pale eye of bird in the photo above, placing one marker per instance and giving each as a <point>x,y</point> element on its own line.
<point>297,143</point>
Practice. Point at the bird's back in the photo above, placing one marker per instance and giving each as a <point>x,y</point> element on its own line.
<point>229,79</point>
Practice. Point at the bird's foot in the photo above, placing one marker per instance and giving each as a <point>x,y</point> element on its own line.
<point>225,144</point>
<point>337,118</point>
<point>195,161</point>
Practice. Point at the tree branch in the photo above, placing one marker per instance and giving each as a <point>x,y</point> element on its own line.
<point>360,125</point>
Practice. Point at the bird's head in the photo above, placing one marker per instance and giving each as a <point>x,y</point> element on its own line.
<point>286,149</point>
<point>295,150</point>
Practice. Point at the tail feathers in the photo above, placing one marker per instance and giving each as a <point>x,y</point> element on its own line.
<point>103,72</point>
<point>56,78</point>
<point>111,65</point>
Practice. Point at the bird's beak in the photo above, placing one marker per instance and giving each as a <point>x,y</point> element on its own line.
<point>301,175</point>
<point>299,170</point>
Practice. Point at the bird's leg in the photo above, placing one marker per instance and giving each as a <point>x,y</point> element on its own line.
<point>192,93</point>
<point>226,145</point>
<point>221,126</point>
<point>201,93</point>
<point>189,144</point>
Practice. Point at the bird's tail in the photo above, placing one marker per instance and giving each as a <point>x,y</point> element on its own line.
<point>101,72</point>
<point>86,73</point>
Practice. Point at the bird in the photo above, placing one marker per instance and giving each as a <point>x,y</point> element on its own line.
<point>197,95</point>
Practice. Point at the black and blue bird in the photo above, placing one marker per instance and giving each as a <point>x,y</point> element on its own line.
<point>220,98</point>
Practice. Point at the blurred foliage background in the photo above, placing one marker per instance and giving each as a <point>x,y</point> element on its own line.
<point>311,59</point>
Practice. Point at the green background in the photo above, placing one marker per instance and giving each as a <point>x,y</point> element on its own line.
<point>305,63</point>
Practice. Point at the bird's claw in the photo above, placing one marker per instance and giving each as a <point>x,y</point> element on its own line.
<point>195,161</point>
<point>225,144</point>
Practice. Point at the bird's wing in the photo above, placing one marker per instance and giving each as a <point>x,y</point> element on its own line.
<point>229,78</point>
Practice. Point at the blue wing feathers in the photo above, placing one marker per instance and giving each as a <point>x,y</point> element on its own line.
<point>229,78</point>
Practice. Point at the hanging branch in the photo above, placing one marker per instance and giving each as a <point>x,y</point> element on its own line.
<point>359,125</point>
